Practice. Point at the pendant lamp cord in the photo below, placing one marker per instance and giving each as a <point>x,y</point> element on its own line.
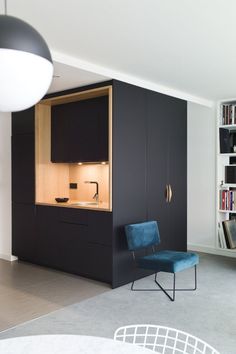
<point>5,7</point>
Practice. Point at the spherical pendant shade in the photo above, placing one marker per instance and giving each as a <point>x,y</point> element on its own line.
<point>25,65</point>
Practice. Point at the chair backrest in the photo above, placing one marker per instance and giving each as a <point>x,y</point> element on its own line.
<point>142,235</point>
<point>163,340</point>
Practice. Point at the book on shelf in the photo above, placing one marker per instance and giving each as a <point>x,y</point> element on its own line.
<point>230,174</point>
<point>221,236</point>
<point>228,114</point>
<point>229,227</point>
<point>225,146</point>
<point>227,199</point>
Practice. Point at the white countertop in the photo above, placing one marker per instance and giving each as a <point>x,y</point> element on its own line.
<point>67,344</point>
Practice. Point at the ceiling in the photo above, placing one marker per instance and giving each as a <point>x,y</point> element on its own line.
<point>66,77</point>
<point>186,45</point>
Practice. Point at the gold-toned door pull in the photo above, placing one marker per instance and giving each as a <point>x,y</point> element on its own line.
<point>167,193</point>
<point>170,193</point>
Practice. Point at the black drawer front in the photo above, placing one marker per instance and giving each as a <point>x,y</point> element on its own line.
<point>73,231</point>
<point>100,227</point>
<point>73,216</point>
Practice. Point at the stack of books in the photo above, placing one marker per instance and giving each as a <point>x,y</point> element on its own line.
<point>227,234</point>
<point>228,114</point>
<point>227,200</point>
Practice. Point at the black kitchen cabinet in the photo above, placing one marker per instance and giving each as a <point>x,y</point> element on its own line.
<point>63,241</point>
<point>99,262</point>
<point>79,131</point>
<point>47,235</point>
<point>167,169</point>
<point>84,235</point>
<point>150,160</point>
<point>178,176</point>
<point>60,134</point>
<point>100,228</point>
<point>157,163</point>
<point>23,171</point>
<point>73,239</point>
<point>149,157</point>
<point>129,174</point>
<point>24,231</point>
<point>23,157</point>
<point>23,122</point>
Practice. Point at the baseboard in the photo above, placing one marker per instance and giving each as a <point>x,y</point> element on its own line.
<point>8,257</point>
<point>212,250</point>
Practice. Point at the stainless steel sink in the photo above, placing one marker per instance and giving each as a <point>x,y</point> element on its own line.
<point>84,203</point>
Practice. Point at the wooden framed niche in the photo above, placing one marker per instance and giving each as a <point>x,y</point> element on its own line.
<point>53,179</point>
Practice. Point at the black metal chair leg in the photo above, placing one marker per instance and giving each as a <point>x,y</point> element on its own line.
<point>195,268</point>
<point>143,289</point>
<point>165,290</point>
<point>173,289</point>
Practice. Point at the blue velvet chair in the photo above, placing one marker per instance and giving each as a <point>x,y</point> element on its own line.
<point>146,235</point>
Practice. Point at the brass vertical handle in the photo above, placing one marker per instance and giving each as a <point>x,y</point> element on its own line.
<point>167,193</point>
<point>170,193</point>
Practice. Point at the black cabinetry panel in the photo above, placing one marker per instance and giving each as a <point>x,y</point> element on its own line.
<point>99,262</point>
<point>60,134</point>
<point>89,130</point>
<point>73,216</point>
<point>129,153</point>
<point>157,162</point>
<point>100,227</point>
<point>149,153</point>
<point>24,231</point>
<point>65,238</point>
<point>23,157</point>
<point>80,131</point>
<point>23,168</point>
<point>47,235</point>
<point>129,173</point>
<point>167,166</point>
<point>178,175</point>
<point>23,122</point>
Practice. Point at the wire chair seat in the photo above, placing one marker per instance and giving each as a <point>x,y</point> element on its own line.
<point>163,340</point>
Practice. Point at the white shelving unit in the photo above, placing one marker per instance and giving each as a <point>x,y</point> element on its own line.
<point>223,159</point>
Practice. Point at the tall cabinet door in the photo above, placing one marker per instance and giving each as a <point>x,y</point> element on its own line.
<point>178,175</point>
<point>129,197</point>
<point>167,168</point>
<point>23,170</point>
<point>23,185</point>
<point>23,159</point>
<point>157,163</point>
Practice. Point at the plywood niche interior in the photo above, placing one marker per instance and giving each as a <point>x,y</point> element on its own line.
<point>53,179</point>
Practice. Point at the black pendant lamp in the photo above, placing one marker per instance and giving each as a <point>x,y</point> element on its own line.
<point>26,67</point>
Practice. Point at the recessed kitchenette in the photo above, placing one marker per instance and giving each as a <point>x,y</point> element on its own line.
<point>73,150</point>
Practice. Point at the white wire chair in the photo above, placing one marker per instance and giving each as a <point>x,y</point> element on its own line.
<point>163,340</point>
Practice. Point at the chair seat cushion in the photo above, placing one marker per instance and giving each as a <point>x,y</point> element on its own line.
<point>168,261</point>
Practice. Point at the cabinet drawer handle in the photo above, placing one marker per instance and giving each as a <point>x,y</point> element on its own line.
<point>170,193</point>
<point>167,193</point>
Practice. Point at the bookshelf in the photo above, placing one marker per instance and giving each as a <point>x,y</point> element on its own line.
<point>226,177</point>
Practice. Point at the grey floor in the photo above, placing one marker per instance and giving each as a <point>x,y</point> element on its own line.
<point>28,291</point>
<point>209,313</point>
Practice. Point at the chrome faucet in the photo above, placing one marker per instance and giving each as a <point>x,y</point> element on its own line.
<point>96,195</point>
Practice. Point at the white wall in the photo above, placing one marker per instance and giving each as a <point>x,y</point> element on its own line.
<point>201,177</point>
<point>5,186</point>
